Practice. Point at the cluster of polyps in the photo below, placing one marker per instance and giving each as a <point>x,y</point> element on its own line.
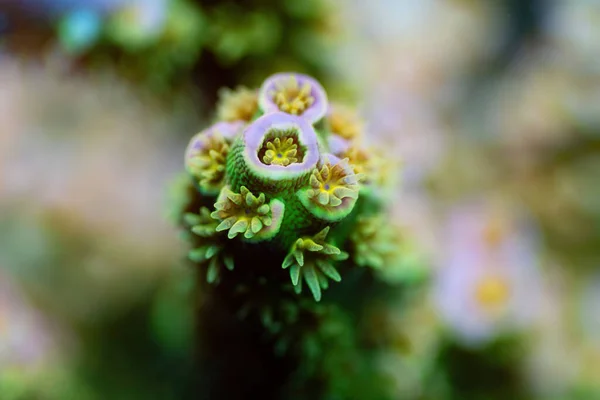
<point>279,177</point>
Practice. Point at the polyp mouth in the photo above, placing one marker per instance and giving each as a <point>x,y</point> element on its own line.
<point>291,96</point>
<point>281,147</point>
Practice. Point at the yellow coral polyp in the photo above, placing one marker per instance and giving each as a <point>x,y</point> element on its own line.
<point>312,258</point>
<point>384,247</point>
<point>202,224</point>
<point>332,183</point>
<point>344,122</point>
<point>375,242</point>
<point>208,165</point>
<point>360,160</point>
<point>240,104</point>
<point>242,213</point>
<point>281,151</point>
<point>292,98</point>
<point>492,292</point>
<point>372,167</point>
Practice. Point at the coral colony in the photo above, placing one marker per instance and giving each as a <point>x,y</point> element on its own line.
<point>492,270</point>
<point>285,170</point>
<point>283,202</point>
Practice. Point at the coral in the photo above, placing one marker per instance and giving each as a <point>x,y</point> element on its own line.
<point>210,252</point>
<point>492,292</point>
<point>344,122</point>
<point>374,241</point>
<point>295,94</point>
<point>332,191</point>
<point>240,104</point>
<point>379,245</point>
<point>361,160</point>
<point>313,257</point>
<point>206,155</point>
<point>246,164</point>
<point>248,214</point>
<point>377,171</point>
<point>281,151</point>
<point>272,198</point>
<point>490,267</point>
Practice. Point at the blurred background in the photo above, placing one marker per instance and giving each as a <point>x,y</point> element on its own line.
<point>492,106</point>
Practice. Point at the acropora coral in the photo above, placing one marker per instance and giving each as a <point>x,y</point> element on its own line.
<point>274,203</point>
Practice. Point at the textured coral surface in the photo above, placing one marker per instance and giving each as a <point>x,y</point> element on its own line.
<point>275,208</point>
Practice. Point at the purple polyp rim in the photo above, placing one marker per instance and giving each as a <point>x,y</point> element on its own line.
<point>228,130</point>
<point>254,137</point>
<point>337,144</point>
<point>313,113</point>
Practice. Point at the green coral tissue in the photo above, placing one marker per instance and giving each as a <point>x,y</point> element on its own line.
<point>285,210</point>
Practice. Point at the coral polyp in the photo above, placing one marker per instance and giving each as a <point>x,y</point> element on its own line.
<point>247,214</point>
<point>344,122</point>
<point>294,94</point>
<point>291,97</point>
<point>492,292</point>
<point>361,160</point>
<point>332,191</point>
<point>280,196</point>
<point>313,259</point>
<point>210,252</point>
<point>208,164</point>
<point>207,153</point>
<point>246,165</point>
<point>376,172</point>
<point>240,104</point>
<point>375,243</point>
<point>281,151</point>
<point>332,183</point>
